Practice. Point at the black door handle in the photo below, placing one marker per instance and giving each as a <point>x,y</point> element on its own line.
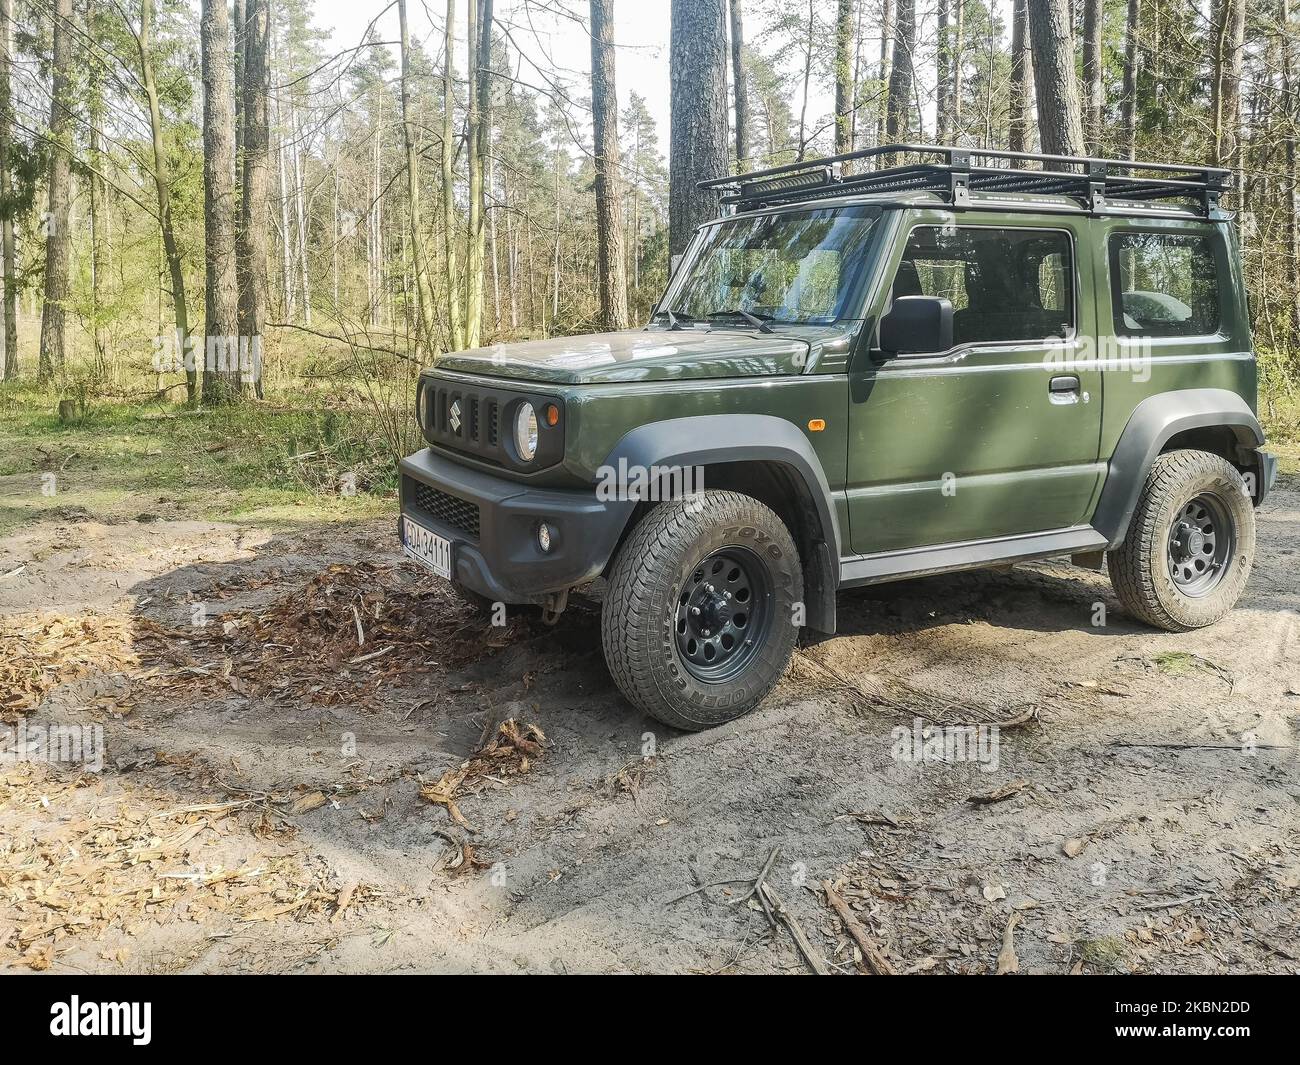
<point>1064,383</point>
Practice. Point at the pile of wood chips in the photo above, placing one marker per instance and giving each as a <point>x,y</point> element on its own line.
<point>44,651</point>
<point>350,631</point>
<point>86,859</point>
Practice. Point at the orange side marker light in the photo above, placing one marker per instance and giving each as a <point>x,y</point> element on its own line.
<point>816,425</point>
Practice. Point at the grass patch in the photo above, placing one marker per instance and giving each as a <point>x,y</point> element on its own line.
<point>1103,953</point>
<point>271,462</point>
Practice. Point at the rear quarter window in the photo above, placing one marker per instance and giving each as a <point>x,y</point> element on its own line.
<point>1165,284</point>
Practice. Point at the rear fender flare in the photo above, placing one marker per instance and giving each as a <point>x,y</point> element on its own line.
<point>1154,422</point>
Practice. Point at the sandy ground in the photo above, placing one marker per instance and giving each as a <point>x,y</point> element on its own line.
<point>278,794</point>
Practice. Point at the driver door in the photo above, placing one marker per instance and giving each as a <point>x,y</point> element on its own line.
<point>1000,435</point>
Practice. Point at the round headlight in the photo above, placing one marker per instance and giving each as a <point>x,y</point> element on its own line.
<point>526,432</point>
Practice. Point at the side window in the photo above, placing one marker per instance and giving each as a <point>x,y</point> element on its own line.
<point>1164,284</point>
<point>1005,285</point>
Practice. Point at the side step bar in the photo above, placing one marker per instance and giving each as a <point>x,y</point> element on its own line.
<point>972,554</point>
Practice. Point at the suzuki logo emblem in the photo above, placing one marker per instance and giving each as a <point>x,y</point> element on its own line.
<point>453,416</point>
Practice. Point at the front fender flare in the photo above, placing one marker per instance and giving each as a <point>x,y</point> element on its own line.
<point>718,438</point>
<point>1154,422</point>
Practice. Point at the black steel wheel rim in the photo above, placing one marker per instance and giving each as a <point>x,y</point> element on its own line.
<point>724,612</point>
<point>1202,543</point>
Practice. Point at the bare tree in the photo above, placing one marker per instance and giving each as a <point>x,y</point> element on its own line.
<point>698,109</point>
<point>58,242</point>
<point>255,165</point>
<point>739,91</point>
<point>221,377</point>
<point>611,276</point>
<point>161,173</point>
<point>844,76</point>
<point>424,331</point>
<point>1060,128</point>
<point>6,192</point>
<point>1093,19</point>
<point>455,322</point>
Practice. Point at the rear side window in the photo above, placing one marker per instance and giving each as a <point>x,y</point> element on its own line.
<point>1164,284</point>
<point>1005,285</point>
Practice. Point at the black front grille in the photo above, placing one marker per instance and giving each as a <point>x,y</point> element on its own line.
<point>475,419</point>
<point>448,509</point>
<point>463,418</point>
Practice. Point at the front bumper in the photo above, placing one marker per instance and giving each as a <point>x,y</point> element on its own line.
<point>492,524</point>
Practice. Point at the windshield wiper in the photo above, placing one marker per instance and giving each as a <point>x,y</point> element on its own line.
<point>673,322</point>
<point>740,312</point>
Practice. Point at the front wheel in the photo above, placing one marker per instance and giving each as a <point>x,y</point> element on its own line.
<point>1190,545</point>
<point>699,619</point>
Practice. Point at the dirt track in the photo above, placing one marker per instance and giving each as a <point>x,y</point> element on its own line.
<point>261,805</point>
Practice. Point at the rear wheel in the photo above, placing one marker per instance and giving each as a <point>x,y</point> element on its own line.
<point>1190,545</point>
<point>698,622</point>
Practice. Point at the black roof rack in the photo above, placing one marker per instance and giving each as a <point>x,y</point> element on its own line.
<point>1098,186</point>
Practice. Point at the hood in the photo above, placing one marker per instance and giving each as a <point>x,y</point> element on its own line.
<point>637,355</point>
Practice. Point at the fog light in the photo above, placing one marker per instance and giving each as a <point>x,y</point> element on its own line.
<point>544,537</point>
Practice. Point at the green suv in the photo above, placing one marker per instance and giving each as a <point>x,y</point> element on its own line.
<point>862,373</point>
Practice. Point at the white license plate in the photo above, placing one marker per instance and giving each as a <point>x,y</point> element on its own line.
<point>426,547</point>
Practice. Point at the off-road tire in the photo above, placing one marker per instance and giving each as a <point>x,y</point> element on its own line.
<point>656,565</point>
<point>1140,567</point>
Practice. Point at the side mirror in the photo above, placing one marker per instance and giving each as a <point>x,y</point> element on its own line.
<point>917,325</point>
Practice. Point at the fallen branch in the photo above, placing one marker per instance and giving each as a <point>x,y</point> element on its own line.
<point>871,952</point>
<point>1001,794</point>
<point>758,880</point>
<point>814,960</point>
<point>1173,902</point>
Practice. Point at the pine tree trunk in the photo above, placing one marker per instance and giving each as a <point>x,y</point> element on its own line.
<point>7,250</point>
<point>221,378</point>
<point>1060,129</point>
<point>942,75</point>
<point>1021,67</point>
<point>898,105</point>
<point>698,106</point>
<point>886,37</point>
<point>1128,105</point>
<point>58,239</point>
<point>844,77</point>
<point>1225,106</point>
<point>254,212</point>
<point>610,262</point>
<point>9,334</point>
<point>740,93</point>
<point>1093,18</point>
<point>475,156</point>
<point>958,55</point>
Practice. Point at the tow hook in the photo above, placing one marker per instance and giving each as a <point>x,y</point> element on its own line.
<point>553,606</point>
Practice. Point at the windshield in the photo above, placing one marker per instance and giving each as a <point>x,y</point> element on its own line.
<point>798,267</point>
